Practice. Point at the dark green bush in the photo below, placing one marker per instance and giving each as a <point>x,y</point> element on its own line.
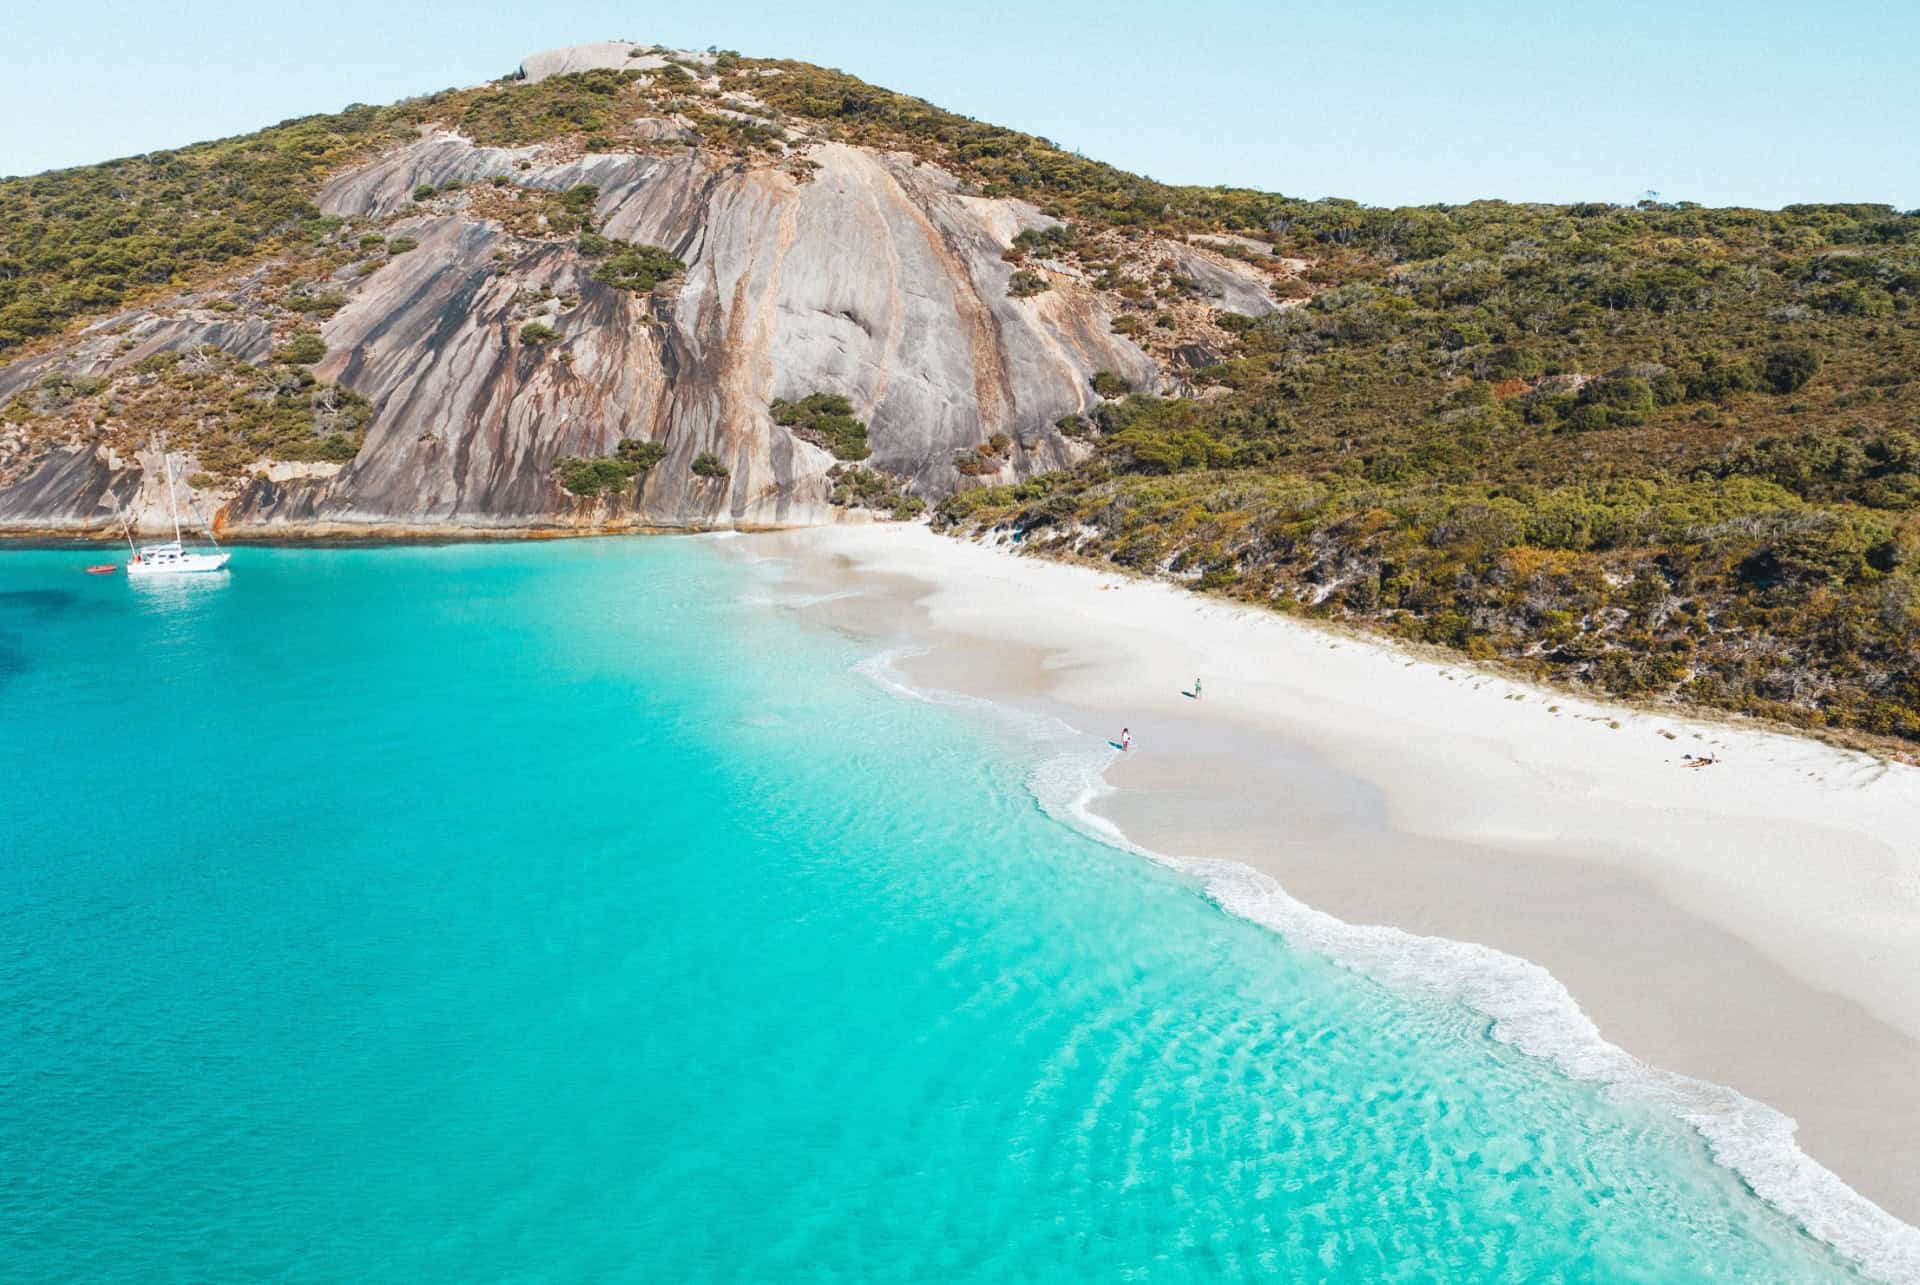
<point>633,457</point>
<point>1050,241</point>
<point>325,304</point>
<point>638,268</point>
<point>826,420</point>
<point>303,349</point>
<point>859,488</point>
<point>592,477</point>
<point>1026,283</point>
<point>535,333</point>
<point>1787,368</point>
<point>707,464</point>
<point>640,454</point>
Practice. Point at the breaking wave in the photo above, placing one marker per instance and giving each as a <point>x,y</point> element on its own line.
<point>1529,1008</point>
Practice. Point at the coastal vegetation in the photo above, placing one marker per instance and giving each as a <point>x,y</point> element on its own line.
<point>540,212</point>
<point>859,488</point>
<point>303,349</point>
<point>827,421</point>
<point>226,412</point>
<point>632,457</point>
<point>636,268</point>
<point>1026,283</point>
<point>80,241</point>
<point>1666,451</point>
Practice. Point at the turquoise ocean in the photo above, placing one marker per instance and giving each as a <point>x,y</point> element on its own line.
<point>577,912</point>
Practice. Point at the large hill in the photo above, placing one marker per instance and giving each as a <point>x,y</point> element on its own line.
<point>1666,450</point>
<point>454,311</point>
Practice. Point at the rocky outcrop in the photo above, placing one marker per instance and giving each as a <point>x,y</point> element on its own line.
<point>859,272</point>
<point>611,55</point>
<point>73,489</point>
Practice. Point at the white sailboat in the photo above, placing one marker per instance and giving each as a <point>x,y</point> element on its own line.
<point>172,558</point>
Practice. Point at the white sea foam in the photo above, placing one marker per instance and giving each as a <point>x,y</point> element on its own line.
<point>1529,1008</point>
<point>799,601</point>
<point>882,670</point>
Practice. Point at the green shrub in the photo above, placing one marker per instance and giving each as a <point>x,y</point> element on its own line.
<point>1047,242</point>
<point>591,477</point>
<point>325,304</point>
<point>402,244</point>
<point>857,488</point>
<point>1787,368</point>
<point>1026,283</point>
<point>578,201</point>
<point>303,349</point>
<point>707,464</point>
<point>640,454</point>
<point>827,421</point>
<point>582,103</point>
<point>425,192</point>
<point>535,333</point>
<point>1108,384</point>
<point>633,457</point>
<point>638,268</point>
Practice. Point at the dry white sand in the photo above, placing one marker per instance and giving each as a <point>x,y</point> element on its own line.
<point>1755,923</point>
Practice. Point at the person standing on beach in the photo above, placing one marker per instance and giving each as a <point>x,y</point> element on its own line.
<point>1126,740</point>
<point>1196,689</point>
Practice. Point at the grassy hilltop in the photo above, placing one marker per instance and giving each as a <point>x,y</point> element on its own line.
<point>1668,451</point>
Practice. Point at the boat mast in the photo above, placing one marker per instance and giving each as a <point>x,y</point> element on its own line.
<point>173,504</point>
<point>194,509</point>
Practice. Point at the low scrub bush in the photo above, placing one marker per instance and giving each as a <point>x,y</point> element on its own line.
<point>303,349</point>
<point>826,420</point>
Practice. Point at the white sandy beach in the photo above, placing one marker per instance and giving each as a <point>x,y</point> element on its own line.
<point>1753,924</point>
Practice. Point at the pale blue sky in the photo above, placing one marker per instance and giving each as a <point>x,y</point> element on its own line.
<point>1385,101</point>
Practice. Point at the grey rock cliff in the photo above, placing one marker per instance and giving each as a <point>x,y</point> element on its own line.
<point>868,274</point>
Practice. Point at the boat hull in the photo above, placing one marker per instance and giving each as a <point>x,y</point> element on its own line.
<point>185,565</point>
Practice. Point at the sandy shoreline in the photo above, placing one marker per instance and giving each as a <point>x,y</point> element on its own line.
<point>1755,924</point>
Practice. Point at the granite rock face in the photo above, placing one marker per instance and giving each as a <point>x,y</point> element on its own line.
<point>864,273</point>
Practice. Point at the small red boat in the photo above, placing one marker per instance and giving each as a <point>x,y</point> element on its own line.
<point>103,568</point>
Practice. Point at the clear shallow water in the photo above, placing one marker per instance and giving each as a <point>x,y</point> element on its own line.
<point>563,912</point>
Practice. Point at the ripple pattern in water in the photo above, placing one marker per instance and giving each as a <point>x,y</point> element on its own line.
<point>566,913</point>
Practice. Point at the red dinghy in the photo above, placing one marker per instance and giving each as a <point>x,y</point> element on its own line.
<point>103,569</point>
